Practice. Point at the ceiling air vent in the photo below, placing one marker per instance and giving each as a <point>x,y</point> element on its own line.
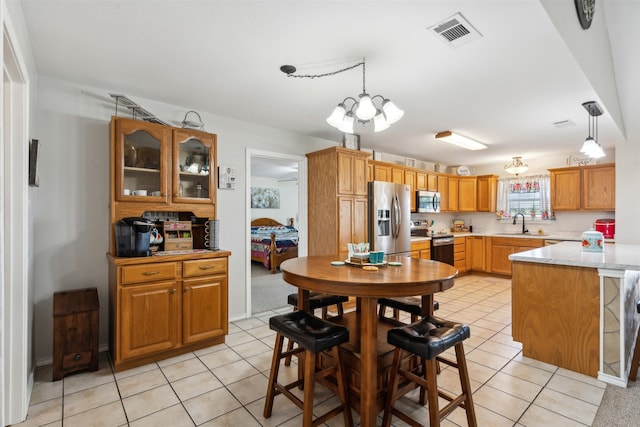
<point>455,31</point>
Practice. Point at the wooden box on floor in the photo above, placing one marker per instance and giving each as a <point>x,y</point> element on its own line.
<point>75,331</point>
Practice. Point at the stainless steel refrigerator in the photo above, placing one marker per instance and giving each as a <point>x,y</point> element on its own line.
<point>389,217</point>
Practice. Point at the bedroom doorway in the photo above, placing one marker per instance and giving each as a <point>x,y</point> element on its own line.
<point>284,175</point>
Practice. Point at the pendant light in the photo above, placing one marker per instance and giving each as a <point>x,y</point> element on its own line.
<point>516,167</point>
<point>364,109</point>
<point>591,147</point>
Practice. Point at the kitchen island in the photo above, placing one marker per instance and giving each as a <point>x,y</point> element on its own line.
<point>576,309</point>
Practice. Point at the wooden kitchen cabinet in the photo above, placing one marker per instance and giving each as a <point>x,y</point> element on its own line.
<point>487,193</point>
<point>476,253</point>
<point>433,182</point>
<point>337,211</point>
<point>460,254</point>
<point>204,296</point>
<point>467,194</point>
<point>382,172</point>
<point>583,187</point>
<point>421,249</point>
<point>599,187</point>
<point>352,224</point>
<point>565,189</point>
<point>352,174</point>
<point>421,181</point>
<point>160,309</point>
<point>442,185</point>
<point>453,190</point>
<point>502,247</point>
<point>397,175</point>
<point>410,180</point>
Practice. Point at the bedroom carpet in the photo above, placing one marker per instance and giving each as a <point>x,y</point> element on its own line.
<point>268,291</point>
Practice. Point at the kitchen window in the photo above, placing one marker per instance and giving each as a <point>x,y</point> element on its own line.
<point>528,195</point>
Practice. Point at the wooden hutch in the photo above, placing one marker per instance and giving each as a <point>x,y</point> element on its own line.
<point>173,301</point>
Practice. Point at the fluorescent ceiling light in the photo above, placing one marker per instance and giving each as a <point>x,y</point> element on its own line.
<point>460,141</point>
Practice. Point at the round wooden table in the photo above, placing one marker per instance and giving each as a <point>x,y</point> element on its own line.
<point>413,277</point>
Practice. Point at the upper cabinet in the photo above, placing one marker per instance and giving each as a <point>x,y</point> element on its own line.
<point>467,189</point>
<point>193,177</point>
<point>160,168</point>
<point>141,160</point>
<point>487,192</point>
<point>584,187</point>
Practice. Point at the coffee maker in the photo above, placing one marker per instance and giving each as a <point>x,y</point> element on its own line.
<point>133,236</point>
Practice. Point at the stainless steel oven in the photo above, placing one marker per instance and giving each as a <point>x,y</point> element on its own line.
<point>442,248</point>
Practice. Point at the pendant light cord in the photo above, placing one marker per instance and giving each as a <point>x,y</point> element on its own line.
<point>332,73</point>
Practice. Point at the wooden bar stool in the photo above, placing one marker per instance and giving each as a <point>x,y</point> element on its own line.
<point>317,300</point>
<point>427,339</point>
<point>633,372</point>
<point>313,335</point>
<point>411,305</point>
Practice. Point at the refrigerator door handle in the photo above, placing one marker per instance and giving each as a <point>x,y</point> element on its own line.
<point>396,217</point>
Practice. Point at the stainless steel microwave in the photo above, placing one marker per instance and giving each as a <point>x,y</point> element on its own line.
<point>427,201</point>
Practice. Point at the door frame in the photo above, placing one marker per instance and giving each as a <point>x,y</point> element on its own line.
<point>16,358</point>
<point>302,210</point>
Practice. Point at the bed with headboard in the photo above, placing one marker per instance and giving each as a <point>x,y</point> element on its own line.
<point>272,242</point>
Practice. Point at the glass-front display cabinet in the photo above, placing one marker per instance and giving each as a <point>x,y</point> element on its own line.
<point>141,163</point>
<point>193,166</point>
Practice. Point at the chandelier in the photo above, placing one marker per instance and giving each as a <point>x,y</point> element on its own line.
<point>591,147</point>
<point>364,109</point>
<point>516,167</point>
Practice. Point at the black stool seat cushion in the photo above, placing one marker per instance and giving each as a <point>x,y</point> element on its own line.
<point>411,305</point>
<point>428,337</point>
<point>317,300</point>
<point>310,332</point>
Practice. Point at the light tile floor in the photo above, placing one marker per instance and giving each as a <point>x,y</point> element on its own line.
<point>225,384</point>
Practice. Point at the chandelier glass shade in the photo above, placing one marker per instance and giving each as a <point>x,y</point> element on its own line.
<point>516,166</point>
<point>591,146</point>
<point>364,109</point>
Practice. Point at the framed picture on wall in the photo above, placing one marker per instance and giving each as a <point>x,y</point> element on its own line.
<point>34,148</point>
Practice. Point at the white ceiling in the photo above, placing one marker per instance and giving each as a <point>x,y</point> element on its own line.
<point>223,57</point>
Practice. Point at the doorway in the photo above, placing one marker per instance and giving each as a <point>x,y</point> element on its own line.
<point>287,174</point>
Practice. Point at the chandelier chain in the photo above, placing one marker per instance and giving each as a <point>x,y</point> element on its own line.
<point>332,73</point>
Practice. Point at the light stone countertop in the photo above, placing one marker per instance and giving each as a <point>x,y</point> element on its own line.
<point>614,256</point>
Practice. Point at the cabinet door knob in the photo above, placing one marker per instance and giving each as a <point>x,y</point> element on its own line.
<point>173,291</point>
<point>187,289</point>
<point>77,357</point>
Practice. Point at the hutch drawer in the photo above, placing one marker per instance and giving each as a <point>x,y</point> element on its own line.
<point>148,272</point>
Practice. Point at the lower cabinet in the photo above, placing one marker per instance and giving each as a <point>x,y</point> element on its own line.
<point>476,253</point>
<point>460,254</point>
<point>421,249</point>
<point>502,247</point>
<point>162,308</point>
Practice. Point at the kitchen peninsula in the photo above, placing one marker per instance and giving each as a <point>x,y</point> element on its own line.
<point>576,309</point>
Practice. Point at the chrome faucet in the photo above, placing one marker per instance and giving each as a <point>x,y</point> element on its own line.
<point>524,230</point>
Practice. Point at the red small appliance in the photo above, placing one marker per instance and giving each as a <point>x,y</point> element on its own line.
<point>606,226</point>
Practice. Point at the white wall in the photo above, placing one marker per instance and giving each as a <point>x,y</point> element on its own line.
<point>288,200</point>
<point>71,212</point>
<point>627,200</point>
